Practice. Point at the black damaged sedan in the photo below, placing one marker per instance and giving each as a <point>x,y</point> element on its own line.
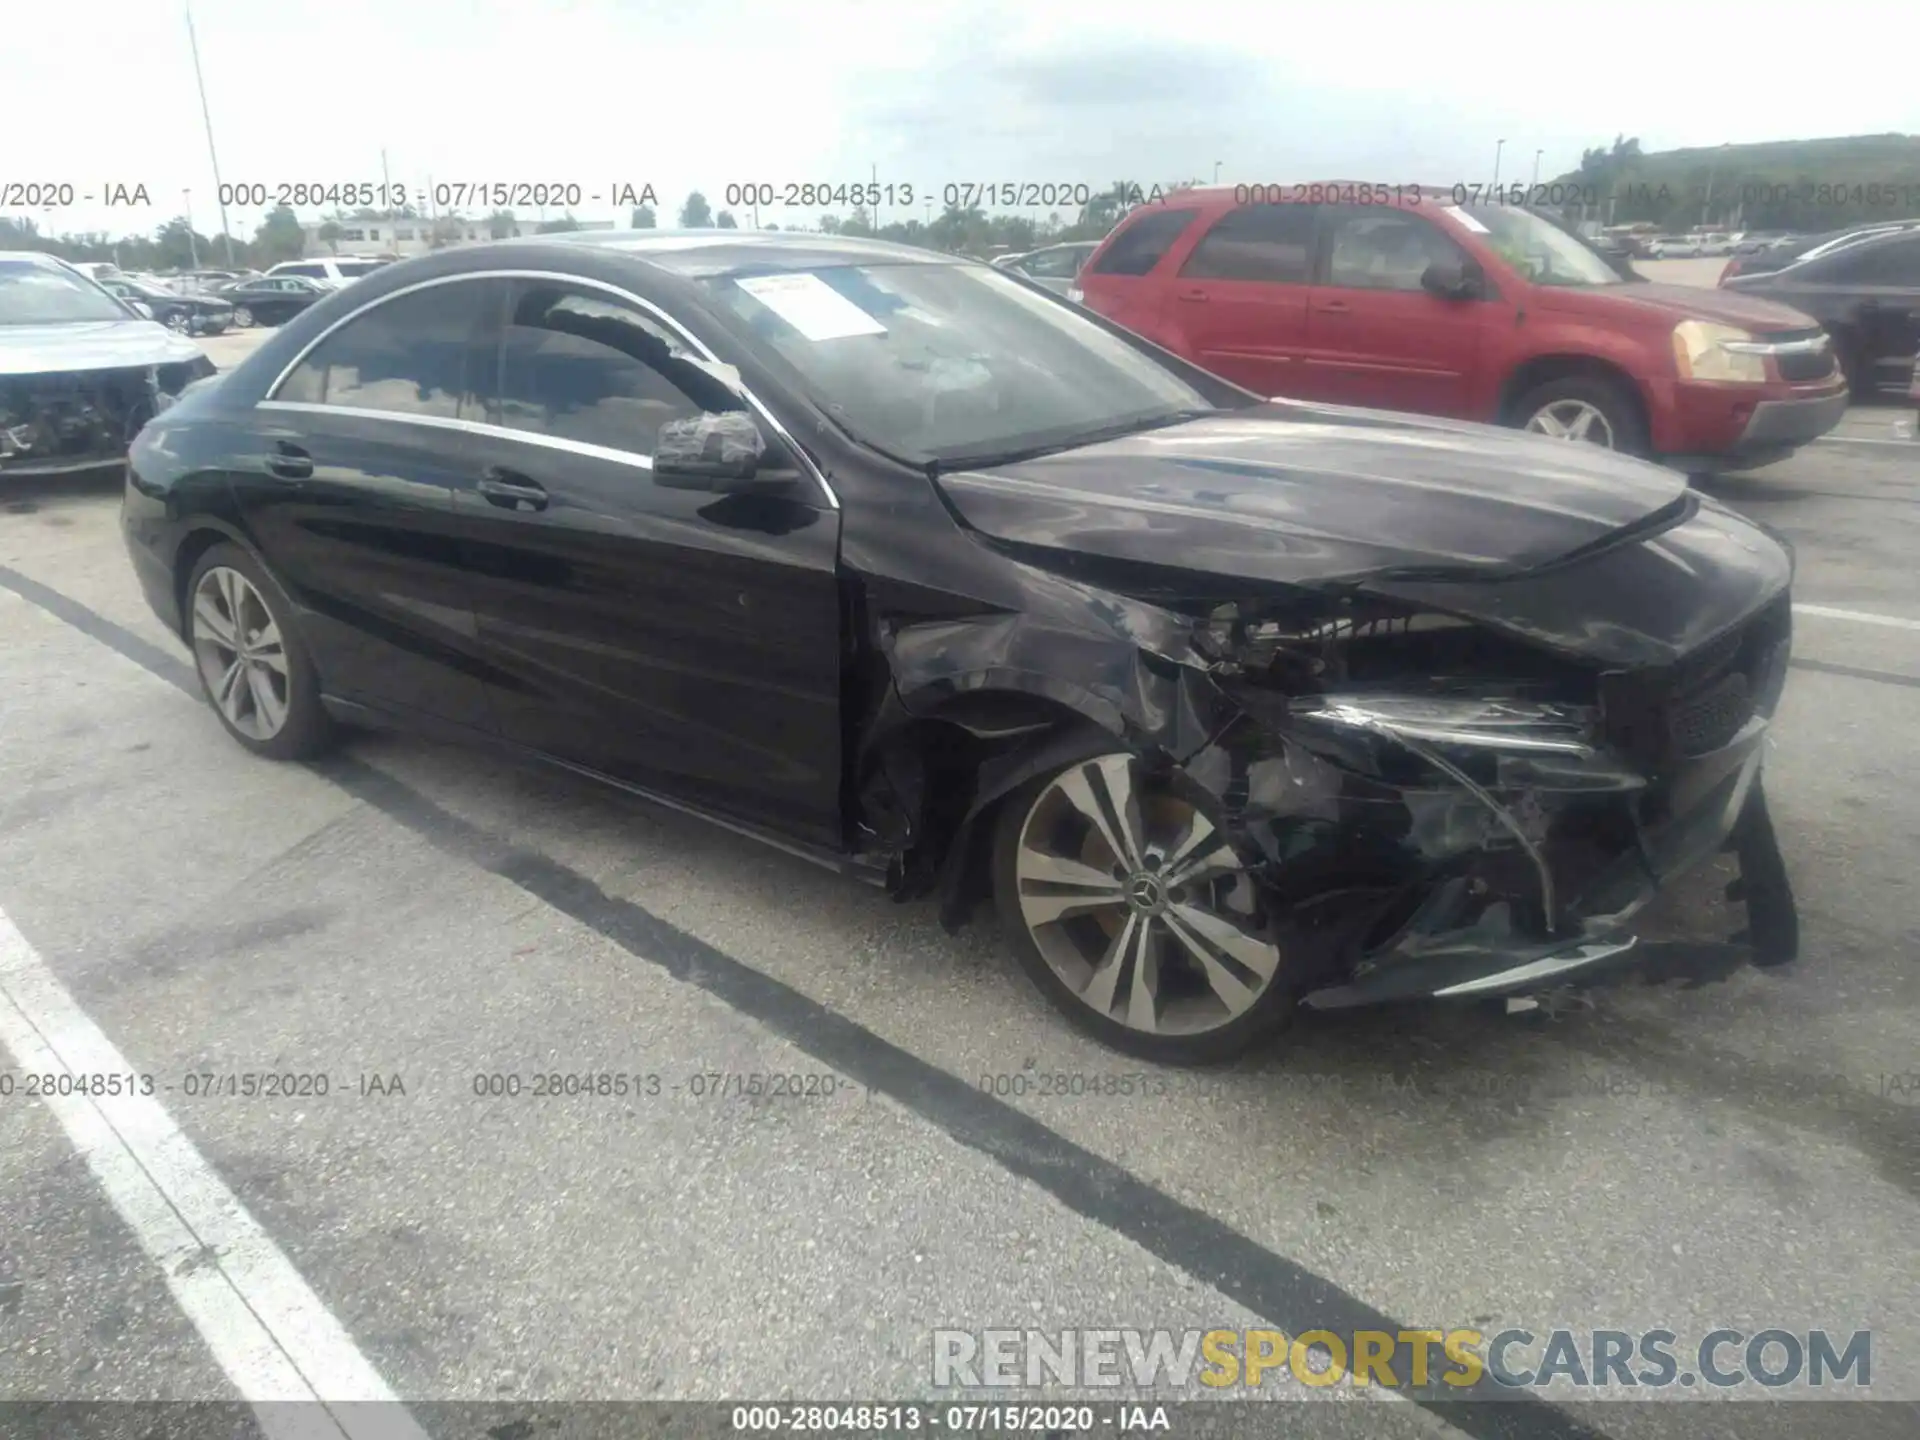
<point>895,561</point>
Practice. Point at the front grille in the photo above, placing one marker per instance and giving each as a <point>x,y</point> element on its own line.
<point>1697,705</point>
<point>1801,365</point>
<point>1703,722</point>
<point>1805,364</point>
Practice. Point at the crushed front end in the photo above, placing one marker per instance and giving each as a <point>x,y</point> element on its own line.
<point>1445,810</point>
<point>56,422</point>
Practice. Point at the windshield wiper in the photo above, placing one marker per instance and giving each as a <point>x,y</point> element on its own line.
<point>986,461</point>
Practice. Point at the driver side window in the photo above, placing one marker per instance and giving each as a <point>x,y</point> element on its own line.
<point>1372,248</point>
<point>581,366</point>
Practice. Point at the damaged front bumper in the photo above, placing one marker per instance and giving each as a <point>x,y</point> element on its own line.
<point>1415,849</point>
<point>63,422</point>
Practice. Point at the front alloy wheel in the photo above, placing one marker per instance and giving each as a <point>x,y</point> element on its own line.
<point>1573,420</point>
<point>177,322</point>
<point>1135,915</point>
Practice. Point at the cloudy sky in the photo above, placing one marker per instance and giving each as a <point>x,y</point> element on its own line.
<point>700,93</point>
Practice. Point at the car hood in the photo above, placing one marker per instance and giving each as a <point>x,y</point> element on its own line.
<point>1307,493</point>
<point>90,345</point>
<point>1676,302</point>
<point>1462,517</point>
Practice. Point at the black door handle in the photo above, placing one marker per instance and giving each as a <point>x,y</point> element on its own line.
<point>511,490</point>
<point>289,461</point>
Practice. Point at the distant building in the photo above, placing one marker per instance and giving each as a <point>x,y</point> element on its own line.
<point>411,237</point>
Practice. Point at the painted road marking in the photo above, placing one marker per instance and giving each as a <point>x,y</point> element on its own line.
<point>1859,617</point>
<point>277,1342</point>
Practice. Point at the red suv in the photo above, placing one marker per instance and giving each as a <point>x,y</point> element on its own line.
<point>1478,311</point>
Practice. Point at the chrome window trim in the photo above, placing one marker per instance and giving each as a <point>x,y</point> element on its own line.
<point>494,431</point>
<point>469,427</point>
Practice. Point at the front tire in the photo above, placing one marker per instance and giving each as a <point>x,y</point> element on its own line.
<point>242,318</point>
<point>253,667</point>
<point>1585,409</point>
<point>1131,911</point>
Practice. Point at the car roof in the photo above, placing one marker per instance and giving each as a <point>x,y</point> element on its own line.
<point>699,253</point>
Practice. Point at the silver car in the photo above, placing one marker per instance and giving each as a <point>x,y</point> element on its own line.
<point>80,370</point>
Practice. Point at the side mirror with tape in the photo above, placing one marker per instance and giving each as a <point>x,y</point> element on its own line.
<point>721,453</point>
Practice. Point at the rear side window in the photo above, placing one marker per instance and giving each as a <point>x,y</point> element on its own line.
<point>408,356</point>
<point>1876,262</point>
<point>1273,243</point>
<point>1143,244</point>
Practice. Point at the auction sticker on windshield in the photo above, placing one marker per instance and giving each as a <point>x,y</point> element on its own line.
<point>1467,220</point>
<point>811,306</point>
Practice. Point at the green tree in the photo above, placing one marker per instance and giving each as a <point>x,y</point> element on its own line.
<point>176,244</point>
<point>725,221</point>
<point>561,226</point>
<point>329,235</point>
<point>642,218</point>
<point>501,225</point>
<point>696,214</point>
<point>278,238</point>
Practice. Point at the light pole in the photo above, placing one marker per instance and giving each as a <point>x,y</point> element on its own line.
<point>1216,172</point>
<point>1536,168</point>
<point>219,190</point>
<point>193,241</point>
<point>1498,146</point>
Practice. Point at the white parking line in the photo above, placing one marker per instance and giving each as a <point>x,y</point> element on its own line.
<point>1859,617</point>
<point>274,1338</point>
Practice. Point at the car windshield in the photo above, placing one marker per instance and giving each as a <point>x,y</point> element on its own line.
<point>36,294</point>
<point>1538,249</point>
<point>946,362</point>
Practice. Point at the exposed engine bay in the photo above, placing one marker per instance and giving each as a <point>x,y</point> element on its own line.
<point>64,421</point>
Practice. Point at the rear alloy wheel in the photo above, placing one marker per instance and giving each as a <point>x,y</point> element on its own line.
<point>1585,410</point>
<point>176,321</point>
<point>1132,912</point>
<point>253,668</point>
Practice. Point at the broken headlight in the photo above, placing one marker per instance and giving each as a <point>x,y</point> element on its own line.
<point>1505,724</point>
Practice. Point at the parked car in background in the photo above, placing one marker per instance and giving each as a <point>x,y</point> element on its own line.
<point>272,299</point>
<point>877,554</point>
<point>1754,242</point>
<point>80,371</point>
<point>1866,294</point>
<point>1419,306</point>
<point>1053,266</point>
<point>331,272</point>
<point>1673,247</point>
<point>93,269</point>
<point>1810,247</point>
<point>181,310</point>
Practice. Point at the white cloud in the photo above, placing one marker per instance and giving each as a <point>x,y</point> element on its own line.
<point>684,95</point>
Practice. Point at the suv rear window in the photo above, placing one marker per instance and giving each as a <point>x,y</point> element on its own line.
<point>1260,242</point>
<point>1140,246</point>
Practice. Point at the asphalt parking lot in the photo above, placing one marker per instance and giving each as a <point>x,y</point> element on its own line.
<point>409,920</point>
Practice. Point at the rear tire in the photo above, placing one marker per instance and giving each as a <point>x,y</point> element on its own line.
<point>1585,409</point>
<point>254,668</point>
<point>1191,976</point>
